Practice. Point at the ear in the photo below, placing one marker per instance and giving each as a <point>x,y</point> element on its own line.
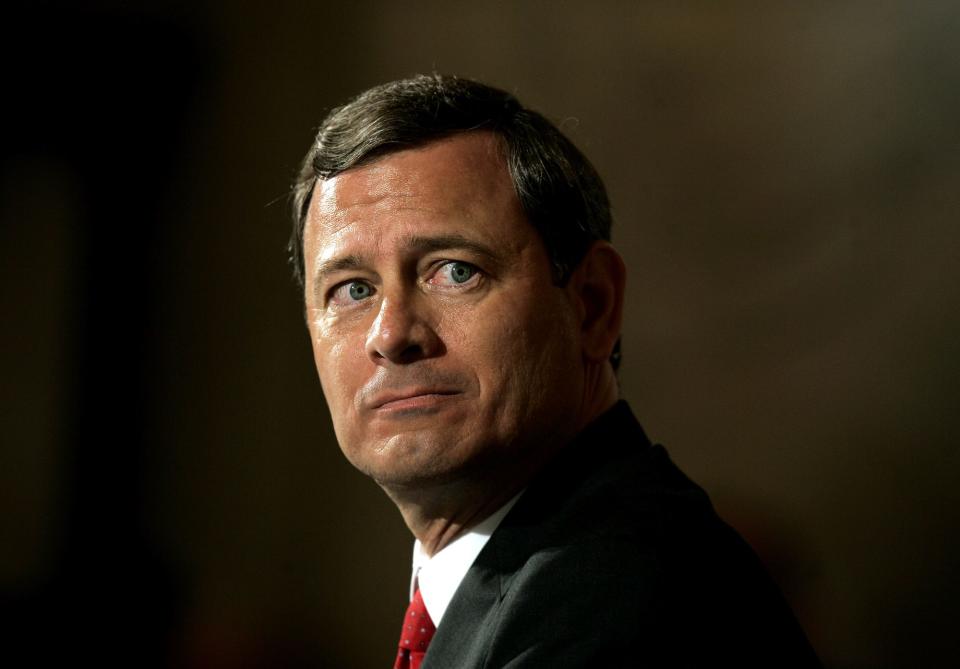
<point>597,287</point>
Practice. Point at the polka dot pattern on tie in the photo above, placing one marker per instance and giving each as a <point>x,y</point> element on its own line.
<point>415,635</point>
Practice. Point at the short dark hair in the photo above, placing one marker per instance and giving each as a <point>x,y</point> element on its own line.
<point>561,193</point>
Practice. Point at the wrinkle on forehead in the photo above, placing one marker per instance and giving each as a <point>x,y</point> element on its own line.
<point>364,186</point>
<point>403,181</point>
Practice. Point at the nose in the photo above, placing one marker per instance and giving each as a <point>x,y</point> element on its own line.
<point>402,333</point>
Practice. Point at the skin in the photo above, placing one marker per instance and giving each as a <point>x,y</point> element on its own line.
<point>453,366</point>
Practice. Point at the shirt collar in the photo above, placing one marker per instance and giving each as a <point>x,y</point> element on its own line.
<point>438,577</point>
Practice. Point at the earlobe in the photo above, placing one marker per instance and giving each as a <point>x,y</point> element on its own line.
<point>599,282</point>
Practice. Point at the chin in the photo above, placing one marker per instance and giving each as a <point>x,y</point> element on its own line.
<point>414,460</point>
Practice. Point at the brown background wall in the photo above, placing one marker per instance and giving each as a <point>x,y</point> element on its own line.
<point>786,182</point>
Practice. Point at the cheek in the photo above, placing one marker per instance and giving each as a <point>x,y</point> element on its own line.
<point>550,345</point>
<point>511,342</point>
<point>338,368</point>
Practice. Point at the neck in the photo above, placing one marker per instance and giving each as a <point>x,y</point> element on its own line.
<point>439,515</point>
<point>439,512</point>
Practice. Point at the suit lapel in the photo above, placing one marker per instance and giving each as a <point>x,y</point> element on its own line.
<point>462,639</point>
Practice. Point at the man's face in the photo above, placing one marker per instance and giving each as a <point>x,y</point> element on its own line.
<point>443,346</point>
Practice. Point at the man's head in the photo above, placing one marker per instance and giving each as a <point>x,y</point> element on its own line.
<point>460,296</point>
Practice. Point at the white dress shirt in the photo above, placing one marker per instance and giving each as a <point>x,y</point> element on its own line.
<point>438,577</point>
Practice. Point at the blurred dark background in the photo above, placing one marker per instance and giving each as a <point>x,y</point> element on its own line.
<point>786,182</point>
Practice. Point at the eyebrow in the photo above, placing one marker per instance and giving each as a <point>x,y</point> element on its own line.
<point>413,245</point>
<point>444,242</point>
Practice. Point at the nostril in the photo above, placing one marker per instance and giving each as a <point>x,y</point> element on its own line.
<point>416,342</point>
<point>411,353</point>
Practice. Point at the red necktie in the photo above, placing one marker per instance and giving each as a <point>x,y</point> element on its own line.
<point>415,636</point>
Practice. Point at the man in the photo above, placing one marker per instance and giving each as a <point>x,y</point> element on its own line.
<point>465,305</point>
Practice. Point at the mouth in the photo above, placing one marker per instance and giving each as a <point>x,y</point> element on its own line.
<point>417,400</point>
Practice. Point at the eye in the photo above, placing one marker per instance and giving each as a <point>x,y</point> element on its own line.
<point>455,274</point>
<point>461,272</point>
<point>349,292</point>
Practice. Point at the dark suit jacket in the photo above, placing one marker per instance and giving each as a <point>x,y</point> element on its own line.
<point>614,558</point>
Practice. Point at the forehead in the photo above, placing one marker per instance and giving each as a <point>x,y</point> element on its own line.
<point>461,181</point>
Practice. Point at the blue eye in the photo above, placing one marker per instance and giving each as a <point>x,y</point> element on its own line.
<point>461,272</point>
<point>359,291</point>
<point>350,292</point>
<point>456,274</point>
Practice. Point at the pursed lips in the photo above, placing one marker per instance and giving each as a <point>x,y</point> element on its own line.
<point>409,398</point>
